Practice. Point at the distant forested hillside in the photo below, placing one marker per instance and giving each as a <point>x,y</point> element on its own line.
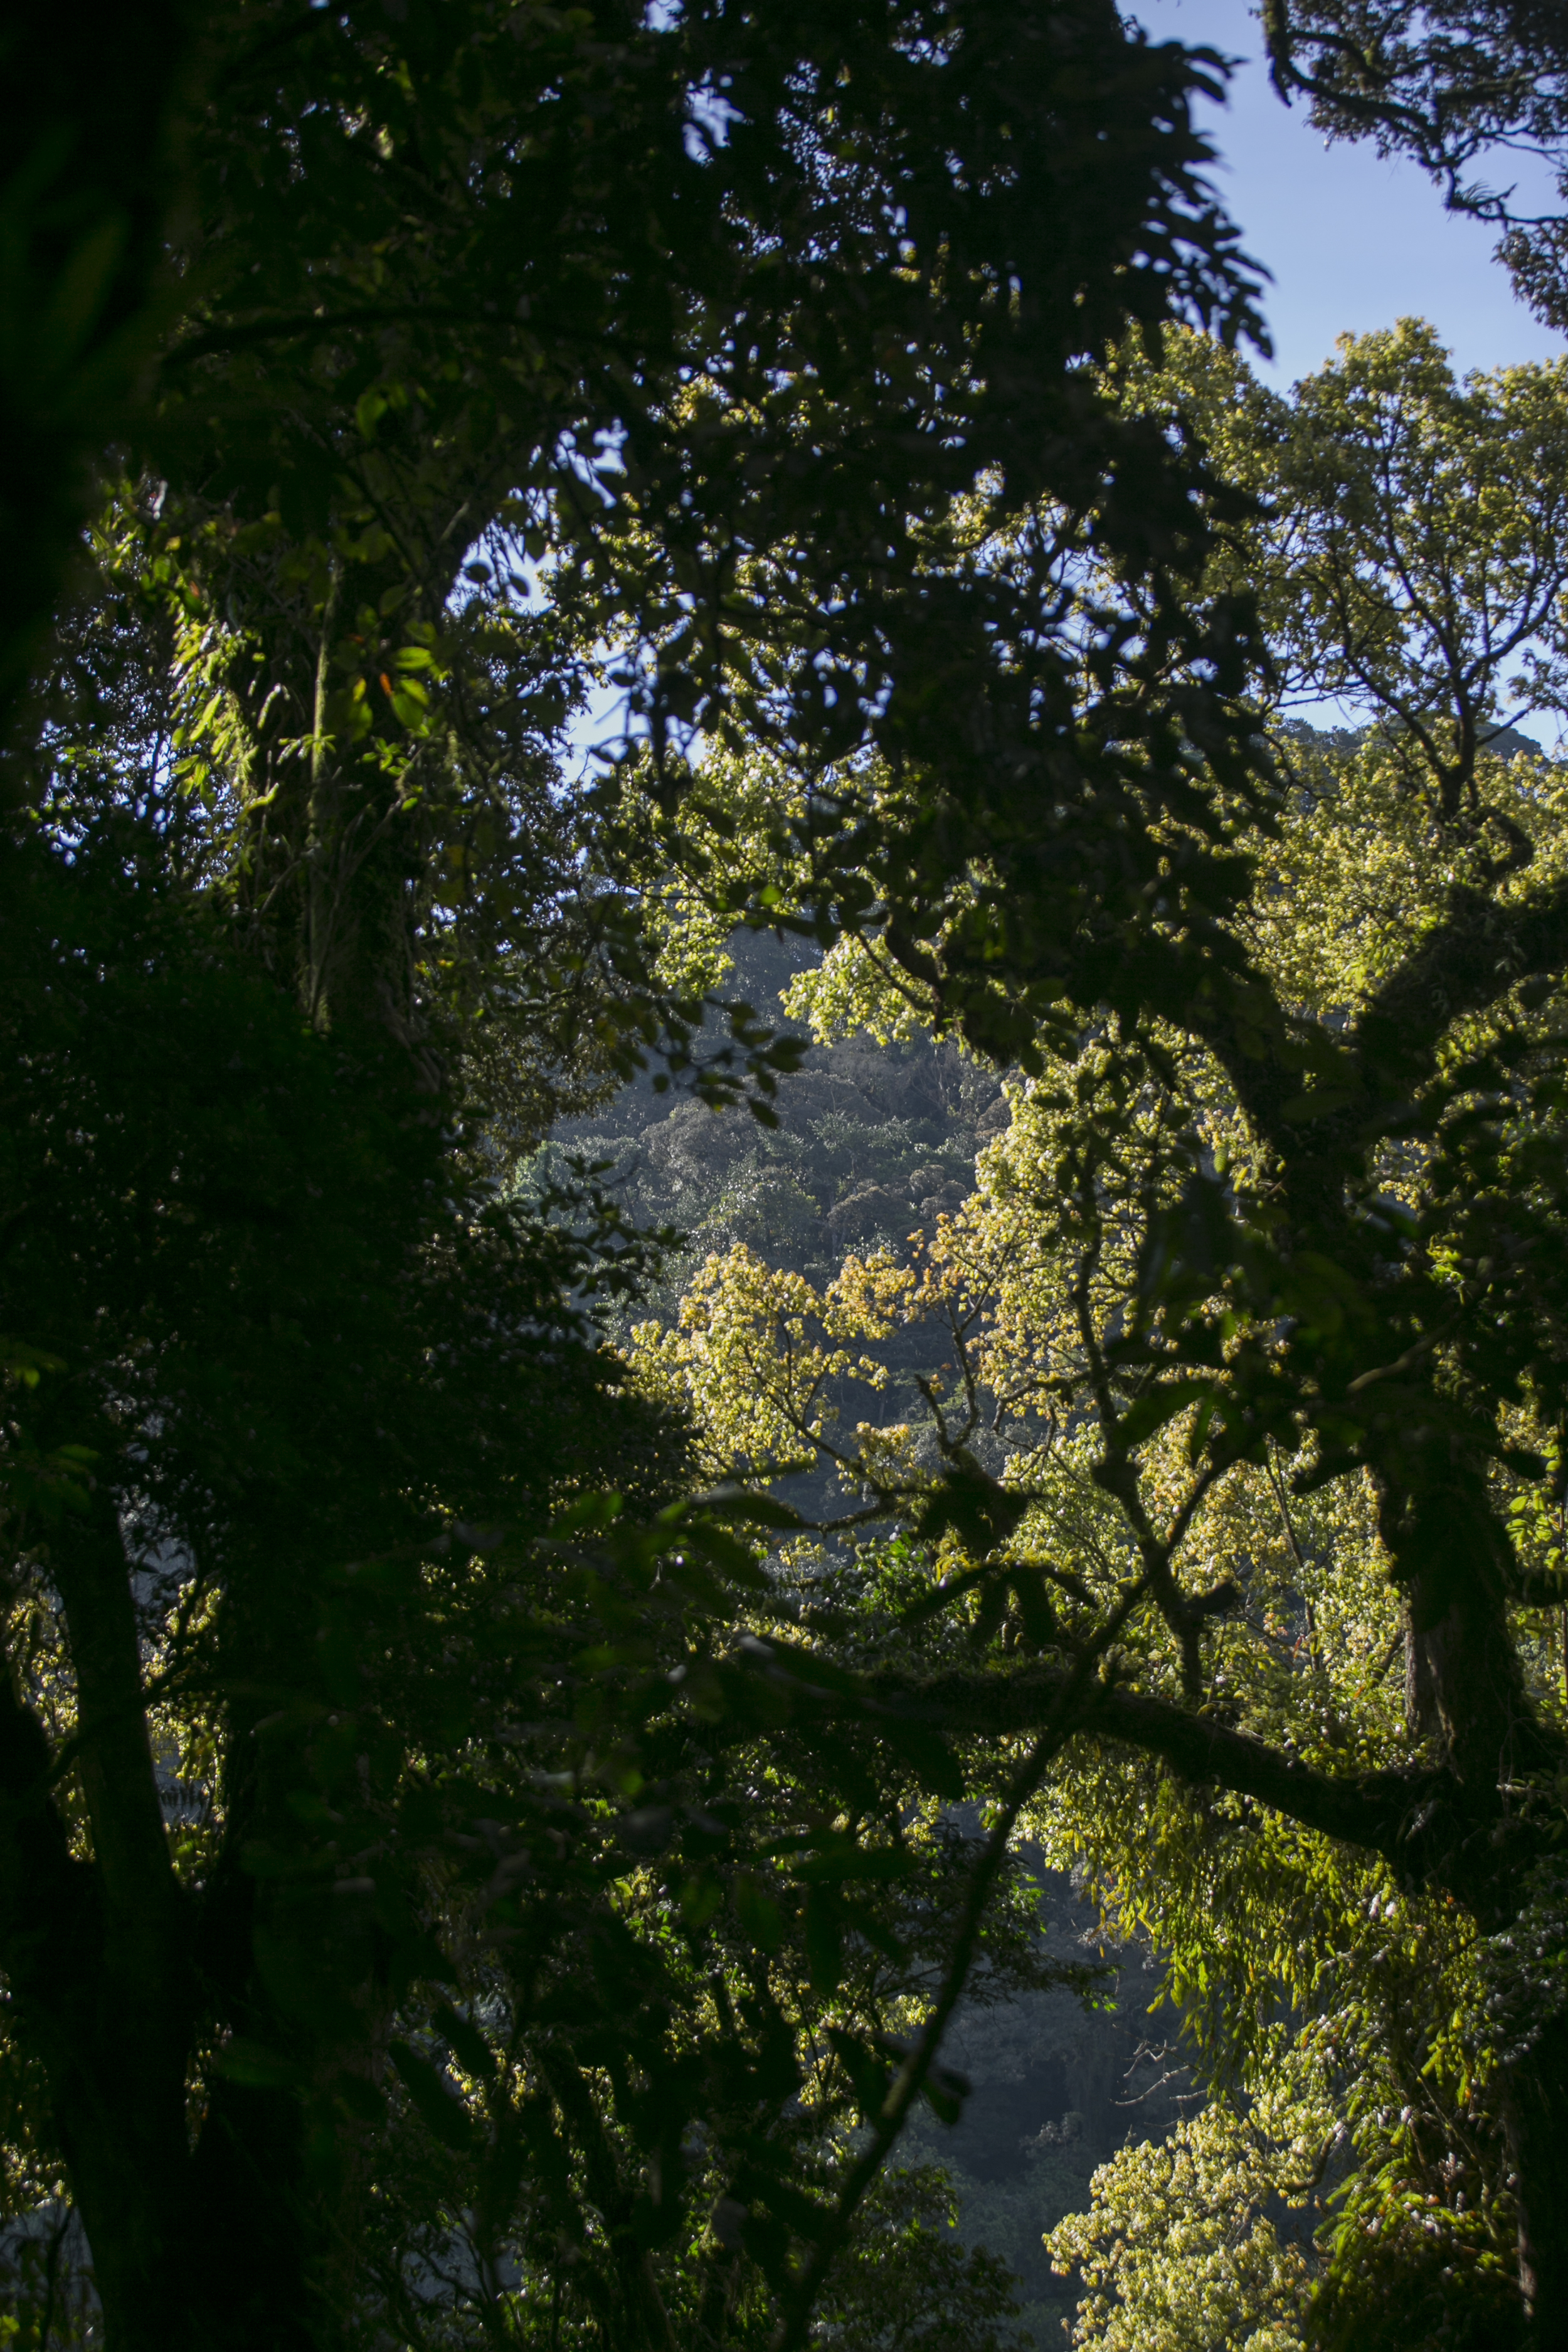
<point>872,1140</point>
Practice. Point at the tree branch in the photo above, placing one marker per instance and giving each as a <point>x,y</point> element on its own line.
<point>1419,1819</point>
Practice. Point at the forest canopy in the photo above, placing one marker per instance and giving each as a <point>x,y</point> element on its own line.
<point>562,1606</point>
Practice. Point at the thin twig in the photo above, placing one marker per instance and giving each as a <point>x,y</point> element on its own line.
<point>793,2330</point>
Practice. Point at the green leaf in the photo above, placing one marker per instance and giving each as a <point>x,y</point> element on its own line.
<point>758,1913</point>
<point>256,2067</point>
<point>1158,1405</point>
<point>929,1754</point>
<point>465,2041</point>
<point>824,1940</point>
<point>437,2106</point>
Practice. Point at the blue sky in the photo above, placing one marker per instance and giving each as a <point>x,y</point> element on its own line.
<point>1354,243</point>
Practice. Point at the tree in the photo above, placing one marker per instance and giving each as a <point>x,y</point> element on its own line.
<point>1457,84</point>
<point>1243,1360</point>
<point>749,335</point>
<point>1181,2235</point>
<point>92,179</point>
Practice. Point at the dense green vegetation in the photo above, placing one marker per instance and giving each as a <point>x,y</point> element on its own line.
<point>557,1630</point>
<point>1123,1367</point>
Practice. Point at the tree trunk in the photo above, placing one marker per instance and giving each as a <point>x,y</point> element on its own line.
<point>115,2025</point>
<point>1465,1691</point>
<point>1535,2120</point>
<point>247,2251</point>
<point>114,1972</point>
